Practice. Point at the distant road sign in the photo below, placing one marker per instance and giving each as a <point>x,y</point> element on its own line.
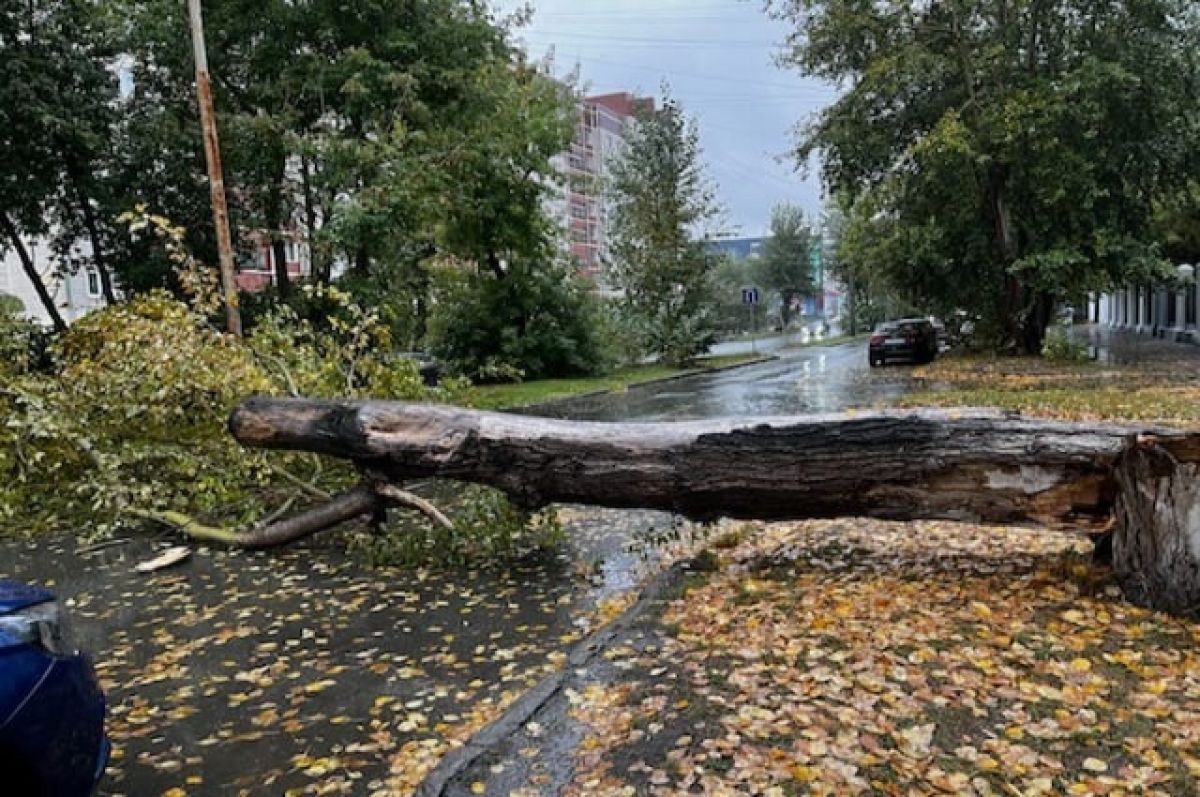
<point>750,296</point>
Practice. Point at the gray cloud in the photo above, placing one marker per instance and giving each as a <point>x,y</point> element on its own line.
<point>718,58</point>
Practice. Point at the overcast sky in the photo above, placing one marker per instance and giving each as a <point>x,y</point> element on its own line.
<point>717,56</point>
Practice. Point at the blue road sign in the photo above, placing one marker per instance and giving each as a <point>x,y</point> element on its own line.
<point>750,296</point>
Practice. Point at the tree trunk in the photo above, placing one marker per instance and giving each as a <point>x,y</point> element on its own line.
<point>90,223</point>
<point>320,269</point>
<point>283,280</point>
<point>1037,319</point>
<point>1156,546</point>
<point>14,239</point>
<point>275,225</point>
<point>966,465</point>
<point>98,256</point>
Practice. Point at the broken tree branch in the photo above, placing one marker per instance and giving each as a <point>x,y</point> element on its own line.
<point>404,498</point>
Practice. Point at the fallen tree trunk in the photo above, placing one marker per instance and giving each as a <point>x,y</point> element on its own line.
<point>970,465</point>
<point>976,465</point>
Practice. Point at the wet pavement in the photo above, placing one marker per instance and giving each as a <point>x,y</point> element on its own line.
<point>812,379</point>
<point>304,671</point>
<point>1123,347</point>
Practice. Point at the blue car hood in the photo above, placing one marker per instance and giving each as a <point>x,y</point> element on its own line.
<point>15,596</point>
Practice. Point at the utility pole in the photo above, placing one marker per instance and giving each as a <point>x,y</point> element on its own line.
<point>216,180</point>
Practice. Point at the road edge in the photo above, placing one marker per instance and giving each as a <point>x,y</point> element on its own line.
<point>483,741</point>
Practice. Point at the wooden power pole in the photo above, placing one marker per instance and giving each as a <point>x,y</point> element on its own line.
<point>212,153</point>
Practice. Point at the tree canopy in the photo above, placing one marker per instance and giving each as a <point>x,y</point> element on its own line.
<point>663,208</point>
<point>1001,154</point>
<point>786,263</point>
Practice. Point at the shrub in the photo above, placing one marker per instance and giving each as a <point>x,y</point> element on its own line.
<point>1059,346</point>
<point>537,322</point>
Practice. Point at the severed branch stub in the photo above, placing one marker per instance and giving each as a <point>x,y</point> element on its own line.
<point>969,465</point>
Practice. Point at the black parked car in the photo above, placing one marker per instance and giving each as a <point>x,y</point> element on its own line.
<point>912,339</point>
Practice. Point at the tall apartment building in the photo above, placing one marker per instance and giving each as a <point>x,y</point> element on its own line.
<point>581,205</point>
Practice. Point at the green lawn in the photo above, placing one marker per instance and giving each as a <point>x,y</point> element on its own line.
<point>524,394</point>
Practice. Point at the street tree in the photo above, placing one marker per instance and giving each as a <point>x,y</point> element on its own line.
<point>664,207</point>
<point>1178,223</point>
<point>57,94</point>
<point>785,267</point>
<point>1001,155</point>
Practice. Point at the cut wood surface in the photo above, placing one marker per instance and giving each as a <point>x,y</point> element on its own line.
<point>968,465</point>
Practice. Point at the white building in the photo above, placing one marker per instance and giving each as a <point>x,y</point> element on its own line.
<point>1162,311</point>
<point>75,295</point>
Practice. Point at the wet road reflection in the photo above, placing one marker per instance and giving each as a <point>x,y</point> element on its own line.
<point>808,380</point>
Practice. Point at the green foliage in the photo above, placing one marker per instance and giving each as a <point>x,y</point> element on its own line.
<point>487,528</point>
<point>133,416</point>
<point>57,106</point>
<point>537,321</point>
<point>18,338</point>
<point>392,134</point>
<point>730,276</point>
<point>661,199</point>
<point>785,267</point>
<point>1061,347</point>
<point>999,158</point>
<point>1177,222</point>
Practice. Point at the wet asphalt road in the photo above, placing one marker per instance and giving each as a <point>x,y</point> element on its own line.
<point>305,671</point>
<point>802,381</point>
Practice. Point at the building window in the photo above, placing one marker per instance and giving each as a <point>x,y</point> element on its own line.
<point>293,252</point>
<point>93,283</point>
<point>579,211</point>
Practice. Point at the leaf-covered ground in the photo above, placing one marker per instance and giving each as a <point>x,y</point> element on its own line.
<point>304,671</point>
<point>1145,380</point>
<point>861,657</point>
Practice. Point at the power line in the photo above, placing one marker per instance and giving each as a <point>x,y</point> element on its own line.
<point>660,70</point>
<point>643,41</point>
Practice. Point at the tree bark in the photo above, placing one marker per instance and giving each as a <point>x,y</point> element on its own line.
<point>320,269</point>
<point>275,225</point>
<point>965,465</point>
<point>1156,545</point>
<point>90,223</point>
<point>14,239</point>
<point>99,259</point>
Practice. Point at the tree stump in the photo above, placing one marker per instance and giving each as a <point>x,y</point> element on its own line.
<point>1156,544</point>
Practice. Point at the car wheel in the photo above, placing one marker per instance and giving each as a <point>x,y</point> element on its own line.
<point>875,362</point>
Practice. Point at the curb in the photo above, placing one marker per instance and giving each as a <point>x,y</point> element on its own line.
<point>457,761</point>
